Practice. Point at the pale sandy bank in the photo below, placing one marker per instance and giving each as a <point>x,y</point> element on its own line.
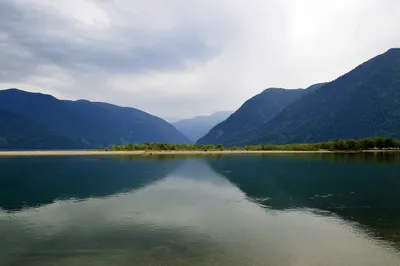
<point>94,152</point>
<point>148,153</point>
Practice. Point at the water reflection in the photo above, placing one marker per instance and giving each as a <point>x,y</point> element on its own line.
<point>354,186</point>
<point>193,211</point>
<point>34,181</point>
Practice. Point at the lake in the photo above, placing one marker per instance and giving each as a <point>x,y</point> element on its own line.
<point>271,209</point>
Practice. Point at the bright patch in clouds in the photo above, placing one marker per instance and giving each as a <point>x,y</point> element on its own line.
<point>179,58</point>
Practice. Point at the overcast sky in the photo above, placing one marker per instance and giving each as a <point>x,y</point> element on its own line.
<point>181,58</point>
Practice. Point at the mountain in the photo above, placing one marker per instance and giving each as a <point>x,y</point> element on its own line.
<point>126,124</point>
<point>362,103</point>
<point>94,125</point>
<point>18,132</point>
<point>196,127</point>
<point>251,115</point>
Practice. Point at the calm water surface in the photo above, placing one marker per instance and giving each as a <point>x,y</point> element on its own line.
<point>321,209</point>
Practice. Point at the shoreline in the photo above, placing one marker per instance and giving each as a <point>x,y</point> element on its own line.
<point>149,153</point>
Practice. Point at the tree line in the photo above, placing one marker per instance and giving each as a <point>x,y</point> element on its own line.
<point>378,143</point>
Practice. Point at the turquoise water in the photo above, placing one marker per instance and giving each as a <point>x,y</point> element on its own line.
<point>316,209</point>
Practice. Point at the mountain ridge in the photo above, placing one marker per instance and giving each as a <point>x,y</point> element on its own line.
<point>361,103</point>
<point>96,125</point>
<point>254,112</point>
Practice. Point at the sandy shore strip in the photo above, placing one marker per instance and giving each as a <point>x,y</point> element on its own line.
<point>148,153</point>
<point>97,152</point>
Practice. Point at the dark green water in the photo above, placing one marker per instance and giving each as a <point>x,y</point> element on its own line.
<point>284,210</point>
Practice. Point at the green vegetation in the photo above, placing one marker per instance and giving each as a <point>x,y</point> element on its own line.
<point>379,143</point>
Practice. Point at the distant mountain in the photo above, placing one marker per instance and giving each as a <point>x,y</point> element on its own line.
<point>18,132</point>
<point>362,103</point>
<point>251,115</point>
<point>93,125</point>
<point>196,127</point>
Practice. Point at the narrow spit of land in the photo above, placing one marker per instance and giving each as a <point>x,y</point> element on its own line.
<point>96,152</point>
<point>149,153</point>
<point>377,144</point>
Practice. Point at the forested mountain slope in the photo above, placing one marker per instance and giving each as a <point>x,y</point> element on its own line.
<point>251,115</point>
<point>94,125</point>
<point>362,103</point>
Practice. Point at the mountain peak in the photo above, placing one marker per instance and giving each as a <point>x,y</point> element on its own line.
<point>392,50</point>
<point>17,91</point>
<point>13,90</point>
<point>272,89</point>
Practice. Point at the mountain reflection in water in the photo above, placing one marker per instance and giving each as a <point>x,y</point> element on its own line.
<point>218,210</point>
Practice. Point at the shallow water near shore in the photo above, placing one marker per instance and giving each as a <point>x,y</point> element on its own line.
<point>269,209</point>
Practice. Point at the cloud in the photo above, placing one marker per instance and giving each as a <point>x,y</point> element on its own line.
<point>185,58</point>
<point>62,41</point>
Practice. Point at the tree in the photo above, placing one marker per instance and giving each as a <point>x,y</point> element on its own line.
<point>380,142</point>
<point>388,143</point>
<point>340,145</point>
<point>351,145</point>
<point>220,147</point>
<point>367,144</point>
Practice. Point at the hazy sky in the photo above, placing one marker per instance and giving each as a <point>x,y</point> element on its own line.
<point>181,58</point>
